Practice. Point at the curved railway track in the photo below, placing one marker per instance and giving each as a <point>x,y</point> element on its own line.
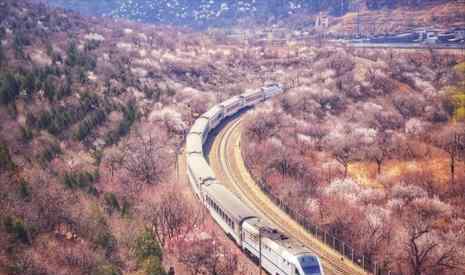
<point>226,161</point>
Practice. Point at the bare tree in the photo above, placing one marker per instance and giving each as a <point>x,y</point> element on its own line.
<point>114,158</point>
<point>427,253</point>
<point>344,155</point>
<point>147,158</point>
<point>380,150</point>
<point>208,257</point>
<point>172,216</point>
<point>452,140</point>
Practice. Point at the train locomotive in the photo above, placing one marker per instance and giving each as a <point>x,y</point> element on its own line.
<point>273,250</point>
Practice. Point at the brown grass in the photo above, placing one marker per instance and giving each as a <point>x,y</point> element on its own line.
<point>366,172</point>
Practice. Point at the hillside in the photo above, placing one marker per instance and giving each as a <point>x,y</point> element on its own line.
<point>400,19</point>
<point>92,112</point>
<point>201,13</point>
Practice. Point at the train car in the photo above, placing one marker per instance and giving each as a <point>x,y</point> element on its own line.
<point>194,144</point>
<point>253,97</point>
<point>199,172</point>
<point>233,105</point>
<point>200,127</point>
<point>227,210</point>
<point>272,89</point>
<point>279,254</point>
<point>215,115</point>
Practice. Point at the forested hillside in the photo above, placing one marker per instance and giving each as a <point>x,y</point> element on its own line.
<point>92,112</point>
<point>205,13</point>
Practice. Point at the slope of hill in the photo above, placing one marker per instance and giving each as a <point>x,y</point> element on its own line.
<point>85,105</point>
<point>400,19</point>
<point>202,13</point>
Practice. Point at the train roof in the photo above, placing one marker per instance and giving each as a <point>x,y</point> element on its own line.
<point>229,202</point>
<point>278,240</point>
<point>200,125</point>
<point>194,143</point>
<point>200,167</point>
<point>212,111</point>
<point>251,92</point>
<point>271,84</point>
<point>233,100</point>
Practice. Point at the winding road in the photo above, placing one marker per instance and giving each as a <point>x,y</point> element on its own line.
<point>226,161</point>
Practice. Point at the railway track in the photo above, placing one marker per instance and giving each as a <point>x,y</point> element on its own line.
<point>226,161</point>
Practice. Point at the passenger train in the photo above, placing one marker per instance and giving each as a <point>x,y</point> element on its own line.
<point>273,250</point>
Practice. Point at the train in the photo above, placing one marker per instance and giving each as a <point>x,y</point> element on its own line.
<point>273,250</point>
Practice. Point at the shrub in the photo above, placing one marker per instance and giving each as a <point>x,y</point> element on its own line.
<point>2,55</point>
<point>112,202</point>
<point>17,228</point>
<point>9,87</point>
<point>152,266</point>
<point>6,163</point>
<point>106,269</point>
<point>92,45</point>
<point>24,191</point>
<point>29,83</point>
<point>26,134</point>
<point>72,54</point>
<point>81,180</point>
<point>60,118</point>
<point>87,125</point>
<point>130,116</point>
<point>146,246</point>
<point>105,239</point>
<point>50,153</point>
<point>50,90</point>
<point>77,58</point>
<point>125,208</point>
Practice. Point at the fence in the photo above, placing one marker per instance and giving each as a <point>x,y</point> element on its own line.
<point>340,246</point>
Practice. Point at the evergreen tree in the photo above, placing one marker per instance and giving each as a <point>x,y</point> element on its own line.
<point>2,55</point>
<point>9,87</point>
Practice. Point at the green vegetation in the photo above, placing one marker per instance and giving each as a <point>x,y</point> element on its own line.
<point>49,153</point>
<point>50,91</point>
<point>29,83</point>
<point>99,232</point>
<point>111,201</point>
<point>130,116</point>
<point>19,41</point>
<point>153,266</point>
<point>18,229</point>
<point>9,87</point>
<point>107,269</point>
<point>24,190</point>
<point>460,68</point>
<point>93,120</point>
<point>62,117</point>
<point>455,102</point>
<point>105,239</point>
<point>72,54</point>
<point>26,134</point>
<point>80,180</point>
<point>152,93</point>
<point>149,254</point>
<point>6,163</point>
<point>92,45</point>
<point>2,55</point>
<point>75,58</point>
